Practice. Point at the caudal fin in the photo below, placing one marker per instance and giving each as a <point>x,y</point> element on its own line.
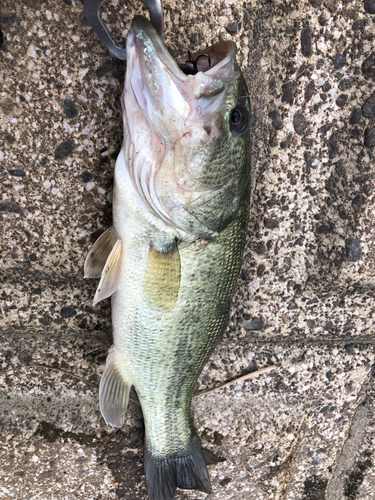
<point>186,469</point>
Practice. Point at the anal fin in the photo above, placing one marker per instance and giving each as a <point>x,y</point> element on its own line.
<point>161,282</point>
<point>111,274</point>
<point>113,393</point>
<point>97,256</point>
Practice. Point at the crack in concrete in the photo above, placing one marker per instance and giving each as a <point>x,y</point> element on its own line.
<point>360,341</point>
<point>290,461</point>
<point>336,485</point>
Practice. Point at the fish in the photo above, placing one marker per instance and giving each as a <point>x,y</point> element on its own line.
<point>171,260</point>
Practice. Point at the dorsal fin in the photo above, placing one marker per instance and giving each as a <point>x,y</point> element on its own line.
<point>98,255</point>
<point>111,274</point>
<point>161,282</point>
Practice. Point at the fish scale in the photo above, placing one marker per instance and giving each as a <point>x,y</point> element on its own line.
<point>188,333</point>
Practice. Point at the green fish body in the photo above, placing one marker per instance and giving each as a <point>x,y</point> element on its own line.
<point>172,258</point>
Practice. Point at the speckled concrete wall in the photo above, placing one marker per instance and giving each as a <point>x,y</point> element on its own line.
<point>305,297</point>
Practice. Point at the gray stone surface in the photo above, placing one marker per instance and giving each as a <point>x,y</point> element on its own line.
<point>305,296</point>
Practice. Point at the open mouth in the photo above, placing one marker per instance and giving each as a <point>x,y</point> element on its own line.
<point>217,61</point>
<point>205,60</point>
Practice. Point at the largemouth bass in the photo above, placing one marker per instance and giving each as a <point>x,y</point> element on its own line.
<point>172,258</point>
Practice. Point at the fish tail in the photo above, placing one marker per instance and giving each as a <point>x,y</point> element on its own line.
<point>185,469</point>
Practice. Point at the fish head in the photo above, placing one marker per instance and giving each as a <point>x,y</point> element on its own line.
<point>186,132</point>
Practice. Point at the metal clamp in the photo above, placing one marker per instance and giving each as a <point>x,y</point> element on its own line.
<point>91,10</point>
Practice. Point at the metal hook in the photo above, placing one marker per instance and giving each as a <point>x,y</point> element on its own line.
<point>188,70</point>
<point>203,55</point>
<point>91,10</point>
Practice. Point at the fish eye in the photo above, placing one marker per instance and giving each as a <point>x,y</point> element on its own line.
<point>238,119</point>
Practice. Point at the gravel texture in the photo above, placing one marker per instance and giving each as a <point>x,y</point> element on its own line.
<point>305,299</point>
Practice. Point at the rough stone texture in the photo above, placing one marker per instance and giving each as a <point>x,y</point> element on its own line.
<point>370,6</point>
<point>303,301</point>
<point>339,61</point>
<point>299,123</point>
<point>306,42</point>
<point>369,108</point>
<point>369,140</point>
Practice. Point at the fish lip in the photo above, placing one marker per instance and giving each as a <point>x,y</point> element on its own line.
<point>143,33</point>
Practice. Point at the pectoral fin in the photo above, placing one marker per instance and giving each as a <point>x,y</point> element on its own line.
<point>111,274</point>
<point>162,278</point>
<point>97,256</point>
<point>113,393</point>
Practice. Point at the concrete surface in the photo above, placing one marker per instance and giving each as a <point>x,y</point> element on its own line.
<point>305,297</point>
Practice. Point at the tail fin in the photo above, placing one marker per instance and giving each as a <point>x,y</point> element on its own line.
<point>186,469</point>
